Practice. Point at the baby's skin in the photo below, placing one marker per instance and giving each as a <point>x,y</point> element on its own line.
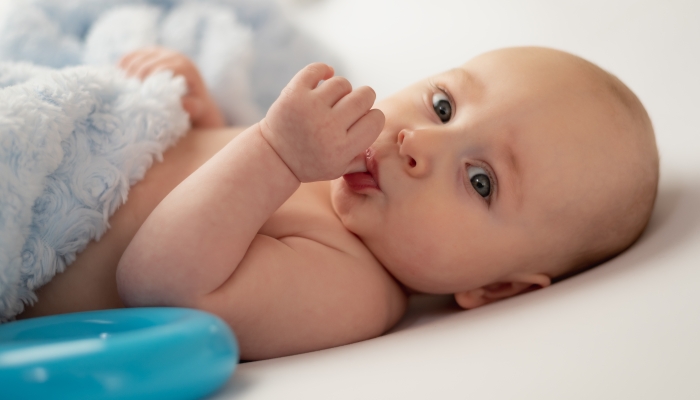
<point>309,229</point>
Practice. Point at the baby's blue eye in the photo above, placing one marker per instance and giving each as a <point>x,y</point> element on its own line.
<point>442,107</point>
<point>480,180</point>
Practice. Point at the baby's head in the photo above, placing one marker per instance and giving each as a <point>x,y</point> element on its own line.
<point>522,166</point>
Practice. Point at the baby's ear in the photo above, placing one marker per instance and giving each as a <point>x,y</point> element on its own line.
<point>513,285</point>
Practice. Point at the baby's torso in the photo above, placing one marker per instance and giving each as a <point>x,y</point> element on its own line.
<point>89,283</point>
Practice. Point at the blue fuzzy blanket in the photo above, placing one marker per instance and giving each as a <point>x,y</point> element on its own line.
<point>72,142</point>
<point>73,139</point>
<point>246,50</point>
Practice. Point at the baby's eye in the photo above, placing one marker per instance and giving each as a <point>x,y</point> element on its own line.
<point>442,106</point>
<point>480,180</point>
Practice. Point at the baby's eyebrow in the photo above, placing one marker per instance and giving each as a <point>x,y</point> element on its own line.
<point>464,84</point>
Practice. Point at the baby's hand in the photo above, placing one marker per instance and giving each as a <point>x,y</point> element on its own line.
<point>197,102</point>
<point>317,130</point>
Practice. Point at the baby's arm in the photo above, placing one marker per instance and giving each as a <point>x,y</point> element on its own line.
<point>194,240</point>
<point>198,103</point>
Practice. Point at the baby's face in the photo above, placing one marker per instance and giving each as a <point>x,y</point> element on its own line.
<point>473,168</point>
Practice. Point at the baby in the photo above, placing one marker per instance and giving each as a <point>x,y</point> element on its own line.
<point>310,228</point>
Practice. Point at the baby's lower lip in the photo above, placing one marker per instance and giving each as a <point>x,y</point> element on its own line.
<point>361,181</point>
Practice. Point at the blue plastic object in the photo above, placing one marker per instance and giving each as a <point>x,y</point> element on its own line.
<point>136,353</point>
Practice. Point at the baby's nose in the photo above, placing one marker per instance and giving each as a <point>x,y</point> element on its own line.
<point>415,159</point>
<point>402,149</point>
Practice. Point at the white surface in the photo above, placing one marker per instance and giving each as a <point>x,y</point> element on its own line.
<point>626,330</point>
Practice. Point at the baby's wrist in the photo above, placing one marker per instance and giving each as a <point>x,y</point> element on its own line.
<point>266,134</point>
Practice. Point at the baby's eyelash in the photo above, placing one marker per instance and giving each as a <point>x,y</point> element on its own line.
<point>438,87</point>
<point>442,103</point>
<point>492,179</point>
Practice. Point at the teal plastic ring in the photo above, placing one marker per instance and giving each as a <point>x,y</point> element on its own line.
<point>136,353</point>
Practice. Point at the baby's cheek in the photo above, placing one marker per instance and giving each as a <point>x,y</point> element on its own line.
<point>347,206</point>
<point>339,200</point>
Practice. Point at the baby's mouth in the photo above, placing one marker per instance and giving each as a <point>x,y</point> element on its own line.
<point>363,177</point>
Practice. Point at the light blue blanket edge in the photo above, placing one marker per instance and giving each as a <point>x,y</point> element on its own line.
<point>72,142</point>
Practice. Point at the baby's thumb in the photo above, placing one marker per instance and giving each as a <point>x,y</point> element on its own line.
<point>357,164</point>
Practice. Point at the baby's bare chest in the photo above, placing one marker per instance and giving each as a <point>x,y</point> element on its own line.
<point>309,214</point>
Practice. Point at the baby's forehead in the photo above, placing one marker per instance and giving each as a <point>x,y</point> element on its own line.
<point>460,79</point>
<point>459,73</point>
<point>543,68</point>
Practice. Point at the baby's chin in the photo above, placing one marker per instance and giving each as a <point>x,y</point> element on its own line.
<point>348,206</point>
<point>351,208</point>
<point>342,201</point>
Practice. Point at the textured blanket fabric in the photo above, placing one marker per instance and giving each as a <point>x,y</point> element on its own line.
<point>72,142</point>
<point>246,50</point>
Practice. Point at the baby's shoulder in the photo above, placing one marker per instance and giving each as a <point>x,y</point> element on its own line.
<point>306,255</point>
<point>309,214</point>
<point>313,280</point>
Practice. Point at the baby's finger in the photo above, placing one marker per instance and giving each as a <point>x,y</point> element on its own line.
<point>150,65</point>
<point>356,104</point>
<point>334,89</point>
<point>137,61</point>
<point>128,58</point>
<point>312,74</point>
<point>357,164</point>
<point>365,131</point>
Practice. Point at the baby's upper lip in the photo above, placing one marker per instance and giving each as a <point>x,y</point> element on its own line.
<point>372,167</point>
